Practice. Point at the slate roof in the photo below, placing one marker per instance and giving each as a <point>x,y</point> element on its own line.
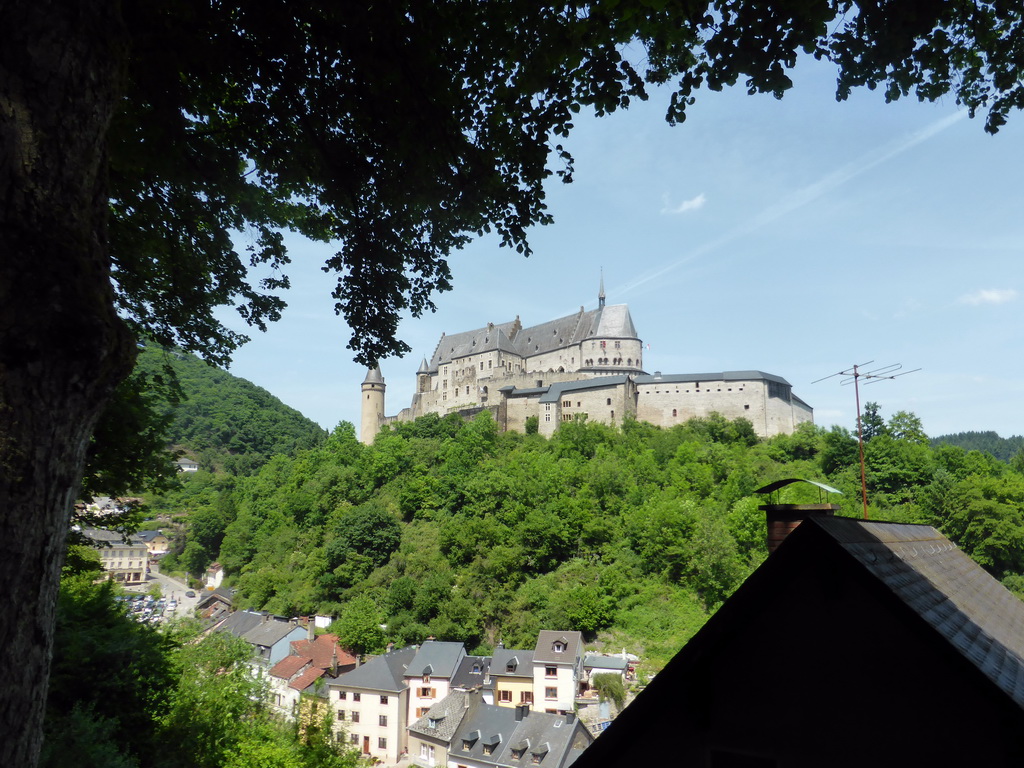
<point>502,657</point>
<point>485,724</point>
<point>437,658</point>
<point>537,733</point>
<point>610,322</point>
<point>465,677</point>
<point>555,391</point>
<point>546,639</point>
<point>446,715</point>
<point>673,378</point>
<point>148,536</point>
<point>594,661</point>
<point>257,628</point>
<point>381,673</point>
<point>935,579</point>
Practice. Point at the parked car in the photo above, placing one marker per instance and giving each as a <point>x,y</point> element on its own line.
<point>190,593</point>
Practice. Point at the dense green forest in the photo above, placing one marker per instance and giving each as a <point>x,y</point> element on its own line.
<point>223,421</point>
<point>632,535</point>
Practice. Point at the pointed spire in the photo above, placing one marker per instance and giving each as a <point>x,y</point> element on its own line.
<point>424,368</point>
<point>373,376</point>
<point>600,293</point>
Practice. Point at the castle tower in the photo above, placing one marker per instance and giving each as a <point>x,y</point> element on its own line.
<point>423,377</point>
<point>372,405</point>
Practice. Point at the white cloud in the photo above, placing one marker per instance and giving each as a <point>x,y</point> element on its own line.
<point>692,204</point>
<point>988,296</point>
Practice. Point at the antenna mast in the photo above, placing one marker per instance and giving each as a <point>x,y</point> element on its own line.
<point>854,375</point>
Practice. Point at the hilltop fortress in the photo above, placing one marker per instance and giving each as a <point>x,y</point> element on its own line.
<point>587,363</point>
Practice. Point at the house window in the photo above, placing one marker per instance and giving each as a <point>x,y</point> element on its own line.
<point>354,738</point>
<point>550,693</point>
<point>535,759</point>
<point>382,743</point>
<point>382,721</point>
<point>505,696</point>
<point>383,699</point>
<point>421,711</point>
<point>488,749</point>
<point>426,693</point>
<point>558,646</point>
<point>355,697</point>
<point>432,723</point>
<point>427,752</point>
<point>426,679</point>
<point>517,754</point>
<point>526,697</point>
<point>341,715</point>
<point>466,745</point>
<point>550,671</point>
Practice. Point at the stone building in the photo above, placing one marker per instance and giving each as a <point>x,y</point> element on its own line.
<point>587,363</point>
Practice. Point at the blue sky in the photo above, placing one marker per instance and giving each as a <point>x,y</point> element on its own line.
<point>797,237</point>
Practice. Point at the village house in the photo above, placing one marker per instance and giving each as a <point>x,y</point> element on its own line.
<point>430,673</point>
<point>512,676</point>
<point>557,669</point>
<point>310,665</point>
<point>370,705</point>
<point>123,561</point>
<point>270,636</point>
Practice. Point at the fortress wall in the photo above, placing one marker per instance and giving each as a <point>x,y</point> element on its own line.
<point>669,403</point>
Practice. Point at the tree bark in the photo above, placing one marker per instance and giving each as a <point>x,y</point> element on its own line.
<point>62,346</point>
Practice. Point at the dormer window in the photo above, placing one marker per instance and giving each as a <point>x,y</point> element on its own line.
<point>426,679</point>
<point>558,646</point>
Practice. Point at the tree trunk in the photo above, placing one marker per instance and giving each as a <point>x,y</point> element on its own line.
<point>62,346</point>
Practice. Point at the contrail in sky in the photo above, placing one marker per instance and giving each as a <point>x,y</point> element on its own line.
<point>804,196</point>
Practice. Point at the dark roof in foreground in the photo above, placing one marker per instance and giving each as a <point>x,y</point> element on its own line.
<point>913,571</point>
<point>381,673</point>
<point>959,599</point>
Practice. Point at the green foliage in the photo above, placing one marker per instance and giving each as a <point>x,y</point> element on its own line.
<point>226,422</point>
<point>359,627</point>
<point>631,536</point>
<point>609,688</point>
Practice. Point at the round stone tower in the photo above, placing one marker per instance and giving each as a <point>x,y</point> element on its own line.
<point>373,405</point>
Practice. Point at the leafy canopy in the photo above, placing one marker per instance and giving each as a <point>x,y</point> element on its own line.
<point>401,130</point>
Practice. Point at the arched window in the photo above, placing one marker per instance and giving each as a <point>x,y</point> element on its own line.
<point>674,413</point>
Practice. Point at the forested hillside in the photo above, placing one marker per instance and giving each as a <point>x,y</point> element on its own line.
<point>631,535</point>
<point>223,421</point>
<point>1003,448</point>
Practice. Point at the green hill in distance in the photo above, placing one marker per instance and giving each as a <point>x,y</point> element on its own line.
<point>225,422</point>
<point>1002,448</point>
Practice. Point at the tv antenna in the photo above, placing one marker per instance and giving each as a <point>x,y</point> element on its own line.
<point>853,376</point>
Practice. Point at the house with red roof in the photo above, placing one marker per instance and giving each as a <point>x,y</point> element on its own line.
<point>316,659</point>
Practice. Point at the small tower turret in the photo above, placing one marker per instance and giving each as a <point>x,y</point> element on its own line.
<point>423,377</point>
<point>600,293</point>
<point>372,405</point>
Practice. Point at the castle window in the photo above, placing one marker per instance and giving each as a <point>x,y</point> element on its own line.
<point>609,401</point>
<point>567,403</point>
<point>489,363</point>
<point>467,390</point>
<point>629,361</point>
<point>618,344</point>
<point>746,407</point>
<point>674,414</point>
<point>481,365</point>
<point>613,414</point>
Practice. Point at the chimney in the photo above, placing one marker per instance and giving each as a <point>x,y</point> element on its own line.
<point>391,647</point>
<point>431,638</point>
<point>311,629</point>
<point>522,711</point>
<point>570,717</point>
<point>334,660</point>
<point>782,519</point>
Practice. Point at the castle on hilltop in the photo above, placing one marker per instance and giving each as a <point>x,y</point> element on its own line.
<point>587,363</point>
